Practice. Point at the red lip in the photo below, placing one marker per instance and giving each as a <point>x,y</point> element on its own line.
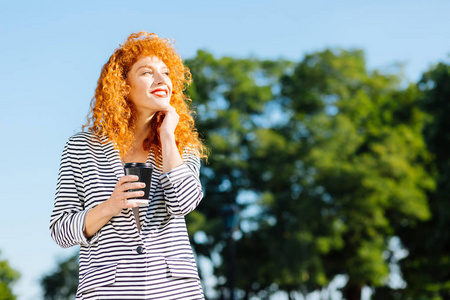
<point>166,91</point>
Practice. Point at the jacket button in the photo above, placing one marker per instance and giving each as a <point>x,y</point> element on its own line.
<point>139,249</point>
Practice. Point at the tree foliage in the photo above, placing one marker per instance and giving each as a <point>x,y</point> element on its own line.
<point>8,276</point>
<point>329,156</point>
<point>234,103</point>
<point>63,282</point>
<point>427,267</point>
<point>362,160</point>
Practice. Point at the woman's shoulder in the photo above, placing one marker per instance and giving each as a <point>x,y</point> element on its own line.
<point>190,152</point>
<point>85,138</point>
<point>191,157</point>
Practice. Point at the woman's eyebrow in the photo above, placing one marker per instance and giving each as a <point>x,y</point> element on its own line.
<point>143,66</point>
<point>150,67</point>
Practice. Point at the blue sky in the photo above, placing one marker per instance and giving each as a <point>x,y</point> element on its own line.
<point>51,53</point>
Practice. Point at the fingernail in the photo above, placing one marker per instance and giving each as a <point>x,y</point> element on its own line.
<point>143,184</point>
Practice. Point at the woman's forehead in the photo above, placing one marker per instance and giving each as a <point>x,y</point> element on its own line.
<point>149,60</point>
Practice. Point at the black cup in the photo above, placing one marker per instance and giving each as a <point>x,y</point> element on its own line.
<point>144,172</point>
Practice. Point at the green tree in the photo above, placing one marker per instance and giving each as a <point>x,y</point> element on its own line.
<point>344,169</point>
<point>63,282</point>
<point>333,155</point>
<point>233,99</point>
<point>8,276</point>
<point>362,160</point>
<point>426,269</point>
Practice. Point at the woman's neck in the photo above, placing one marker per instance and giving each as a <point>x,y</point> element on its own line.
<point>141,132</point>
<point>142,128</point>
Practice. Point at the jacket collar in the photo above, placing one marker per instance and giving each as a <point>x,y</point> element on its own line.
<point>113,156</point>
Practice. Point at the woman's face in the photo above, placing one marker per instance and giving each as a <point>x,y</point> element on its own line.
<point>151,87</point>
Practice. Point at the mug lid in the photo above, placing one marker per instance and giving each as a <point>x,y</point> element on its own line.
<point>138,165</point>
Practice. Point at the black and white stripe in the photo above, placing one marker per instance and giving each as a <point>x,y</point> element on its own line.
<point>111,266</point>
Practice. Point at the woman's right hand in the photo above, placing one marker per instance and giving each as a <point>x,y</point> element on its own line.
<point>98,216</point>
<point>119,197</point>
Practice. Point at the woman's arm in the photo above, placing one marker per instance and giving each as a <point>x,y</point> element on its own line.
<point>67,219</point>
<point>182,187</point>
<point>171,156</point>
<point>70,222</point>
<point>180,178</point>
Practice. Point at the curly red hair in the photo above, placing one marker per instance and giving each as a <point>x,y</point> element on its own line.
<point>112,114</point>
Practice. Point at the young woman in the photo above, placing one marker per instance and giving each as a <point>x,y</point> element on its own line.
<point>139,114</point>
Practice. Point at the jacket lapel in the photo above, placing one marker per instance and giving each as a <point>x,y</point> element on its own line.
<point>113,157</point>
<point>151,209</point>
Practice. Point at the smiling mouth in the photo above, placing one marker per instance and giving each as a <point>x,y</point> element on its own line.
<point>162,93</point>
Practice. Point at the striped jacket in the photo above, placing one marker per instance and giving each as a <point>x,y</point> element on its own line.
<point>119,262</point>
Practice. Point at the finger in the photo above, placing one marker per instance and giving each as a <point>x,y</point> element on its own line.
<point>134,194</point>
<point>126,178</point>
<point>170,118</point>
<point>169,109</point>
<point>131,186</point>
<point>122,196</point>
<point>172,110</point>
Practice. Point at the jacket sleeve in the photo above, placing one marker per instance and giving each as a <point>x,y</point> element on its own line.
<point>68,217</point>
<point>182,187</point>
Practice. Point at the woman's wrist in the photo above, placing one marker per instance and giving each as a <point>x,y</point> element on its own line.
<point>167,136</point>
<point>96,218</point>
<point>106,210</point>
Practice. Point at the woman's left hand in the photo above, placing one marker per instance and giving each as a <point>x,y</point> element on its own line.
<point>170,155</point>
<point>170,121</point>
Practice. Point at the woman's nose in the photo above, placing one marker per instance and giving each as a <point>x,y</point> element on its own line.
<point>159,78</point>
